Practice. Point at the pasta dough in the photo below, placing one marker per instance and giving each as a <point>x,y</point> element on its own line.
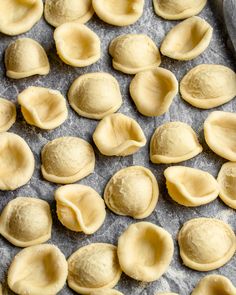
<point>206,243</point>
<point>67,160</point>
<point>40,269</point>
<point>24,58</point>
<point>166,293</point>
<point>107,292</point>
<point>188,39</point>
<point>93,268</point>
<point>43,107</point>
<point>7,114</point>
<point>26,221</point>
<point>16,161</point>
<point>153,91</point>
<point>145,251</point>
<point>174,142</point>
<point>118,135</point>
<point>132,191</point>
<point>133,53</point>
<point>84,98</point>
<point>80,208</point>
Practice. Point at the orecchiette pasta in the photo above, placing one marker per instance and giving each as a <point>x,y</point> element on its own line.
<point>106,292</point>
<point>7,114</point>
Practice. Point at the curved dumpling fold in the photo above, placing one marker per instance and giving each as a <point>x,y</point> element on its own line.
<point>7,114</point>
<point>106,292</point>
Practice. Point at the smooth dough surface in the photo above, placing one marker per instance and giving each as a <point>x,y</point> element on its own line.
<point>7,114</point>
<point>40,269</point>
<point>133,53</point>
<point>132,191</point>
<point>174,142</point>
<point>26,222</point>
<point>145,251</point>
<point>118,135</point>
<point>187,39</point>
<point>106,292</point>
<point>93,267</point>
<point>206,243</point>
<point>84,99</point>
<point>67,159</point>
<point>153,91</point>
<point>80,208</point>
<point>24,58</point>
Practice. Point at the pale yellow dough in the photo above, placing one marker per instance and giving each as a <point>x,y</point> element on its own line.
<point>95,95</point>
<point>174,142</point>
<point>133,53</point>
<point>187,39</point>
<point>118,135</point>
<point>26,222</point>
<point>207,86</point>
<point>153,91</point>
<point>40,269</point>
<point>58,12</point>
<point>166,293</point>
<point>7,114</point>
<point>67,159</point>
<point>106,292</point>
<point>145,251</point>
<point>77,45</point>
<point>119,13</point>
<point>206,243</point>
<point>16,161</point>
<point>24,58</point>
<point>80,208</point>
<point>132,191</point>
<point>94,267</point>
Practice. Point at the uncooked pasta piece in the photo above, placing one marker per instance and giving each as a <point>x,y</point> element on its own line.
<point>16,161</point>
<point>7,114</point>
<point>133,53</point>
<point>145,251</point>
<point>77,45</point>
<point>132,191</point>
<point>119,13</point>
<point>207,86</point>
<point>63,11</point>
<point>26,221</point>
<point>106,292</point>
<point>24,58</point>
<point>43,107</point>
<point>188,39</point>
<point>220,134</point>
<point>174,142</point>
<point>153,91</point>
<point>80,208</point>
<point>118,135</point>
<point>67,160</point>
<point>94,267</point>
<point>95,95</point>
<point>191,187</point>
<point>40,269</point>
<point>206,243</point>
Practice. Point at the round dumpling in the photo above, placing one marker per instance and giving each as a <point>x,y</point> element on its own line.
<point>7,114</point>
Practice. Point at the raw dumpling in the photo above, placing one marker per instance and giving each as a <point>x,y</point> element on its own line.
<point>220,134</point>
<point>16,161</point>
<point>67,160</point>
<point>206,243</point>
<point>153,91</point>
<point>19,16</point>
<point>77,45</point>
<point>133,53</point>
<point>132,191</point>
<point>174,142</point>
<point>118,135</point>
<point>40,269</point>
<point>188,39</point>
<point>191,187</point>
<point>63,11</point>
<point>119,13</point>
<point>207,86</point>
<point>26,221</point>
<point>95,95</point>
<point>106,292</point>
<point>43,107</point>
<point>24,58</point>
<point>93,268</point>
<point>145,251</point>
<point>80,208</point>
<point>7,114</point>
